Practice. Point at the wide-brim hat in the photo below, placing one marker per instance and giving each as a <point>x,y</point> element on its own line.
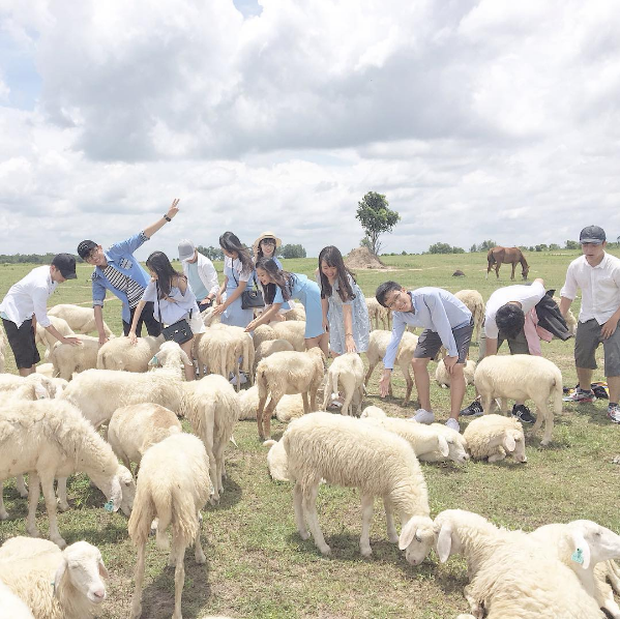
<point>266,235</point>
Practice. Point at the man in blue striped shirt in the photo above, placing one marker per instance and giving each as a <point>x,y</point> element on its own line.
<point>446,321</point>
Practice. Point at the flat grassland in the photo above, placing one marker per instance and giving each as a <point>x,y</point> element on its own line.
<point>257,565</point>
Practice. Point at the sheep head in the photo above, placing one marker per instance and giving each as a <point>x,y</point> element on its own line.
<point>591,543</point>
<point>128,489</point>
<point>514,444</point>
<point>417,538</point>
<point>82,568</point>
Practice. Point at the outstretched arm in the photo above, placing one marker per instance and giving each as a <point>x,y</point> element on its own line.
<point>149,231</point>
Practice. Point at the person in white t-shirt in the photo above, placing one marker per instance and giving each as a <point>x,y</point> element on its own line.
<point>597,274</point>
<point>200,272</point>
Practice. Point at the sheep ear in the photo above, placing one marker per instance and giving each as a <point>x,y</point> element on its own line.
<point>407,534</point>
<point>103,572</point>
<point>582,550</point>
<point>185,358</point>
<point>444,448</point>
<point>40,392</point>
<point>444,543</point>
<point>60,572</point>
<point>509,442</point>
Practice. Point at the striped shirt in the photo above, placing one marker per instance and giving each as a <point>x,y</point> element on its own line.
<point>125,284</point>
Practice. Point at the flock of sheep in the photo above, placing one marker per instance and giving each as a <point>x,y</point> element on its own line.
<point>50,426</point>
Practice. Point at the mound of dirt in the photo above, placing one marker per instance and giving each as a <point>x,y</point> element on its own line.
<point>363,258</point>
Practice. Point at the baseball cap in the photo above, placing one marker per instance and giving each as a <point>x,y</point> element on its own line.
<point>65,263</point>
<point>592,234</point>
<point>186,250</point>
<point>85,247</point>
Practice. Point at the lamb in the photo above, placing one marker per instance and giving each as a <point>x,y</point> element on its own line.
<point>133,429</point>
<point>347,372</point>
<point>377,347</point>
<point>377,312</point>
<point>509,576</point>
<point>277,460</point>
<point>293,331</point>
<point>581,545</point>
<point>457,445</point>
<point>29,566</point>
<point>245,344</point>
<point>173,485</point>
<point>80,319</point>
<point>49,439</point>
<point>45,338</point>
<point>287,373</point>
<point>521,377</point>
<point>209,318</point>
<point>212,407</point>
<point>67,359</point>
<point>263,333</point>
<point>475,304</point>
<point>219,350</point>
<point>268,348</point>
<point>289,406</point>
<point>373,411</point>
<point>13,606</point>
<point>443,377</point>
<point>350,453</point>
<point>121,354</point>
<point>494,437</point>
<point>297,312</point>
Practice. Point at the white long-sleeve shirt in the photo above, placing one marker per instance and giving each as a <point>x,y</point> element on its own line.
<point>29,297</point>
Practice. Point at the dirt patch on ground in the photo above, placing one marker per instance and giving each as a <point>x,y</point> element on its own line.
<point>363,258</point>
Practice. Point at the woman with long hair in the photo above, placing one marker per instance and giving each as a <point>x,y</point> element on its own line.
<point>345,314</point>
<point>238,269</point>
<point>173,300</point>
<point>288,286</point>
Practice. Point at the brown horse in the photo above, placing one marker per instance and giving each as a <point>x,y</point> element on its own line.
<point>506,255</point>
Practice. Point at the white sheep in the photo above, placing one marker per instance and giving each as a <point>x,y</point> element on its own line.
<point>67,359</point>
<point>54,584</point>
<point>245,344</point>
<point>45,369</point>
<point>347,452</point>
<point>287,373</point>
<point>377,346</point>
<point>209,318</point>
<point>173,486</point>
<point>212,407</point>
<point>457,445</point>
<point>26,384</point>
<point>521,377</point>
<point>297,312</point>
<point>292,331</point>
<point>377,312</point>
<point>581,545</point>
<point>346,373</point>
<point>219,351</point>
<point>277,460</point>
<point>80,319</point>
<point>13,606</point>
<point>133,429</point>
<point>289,407</point>
<point>49,439</point>
<point>263,333</point>
<point>474,302</point>
<point>373,411</point>
<point>269,347</point>
<point>571,321</point>
<point>46,339</point>
<point>494,437</point>
<point>442,375</point>
<point>121,354</point>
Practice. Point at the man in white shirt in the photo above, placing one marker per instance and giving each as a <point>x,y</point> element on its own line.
<point>201,274</point>
<point>597,274</point>
<point>25,304</point>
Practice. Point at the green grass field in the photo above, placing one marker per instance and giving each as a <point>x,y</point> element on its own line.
<point>257,565</point>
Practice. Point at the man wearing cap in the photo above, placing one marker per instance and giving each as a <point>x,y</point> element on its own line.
<point>120,272</point>
<point>25,304</point>
<point>200,272</point>
<point>597,274</point>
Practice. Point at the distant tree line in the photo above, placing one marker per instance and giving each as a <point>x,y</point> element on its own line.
<point>29,258</point>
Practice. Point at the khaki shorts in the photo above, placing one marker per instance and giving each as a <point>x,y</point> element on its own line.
<point>587,340</point>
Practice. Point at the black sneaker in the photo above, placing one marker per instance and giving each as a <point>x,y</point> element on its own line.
<point>522,413</point>
<point>473,410</point>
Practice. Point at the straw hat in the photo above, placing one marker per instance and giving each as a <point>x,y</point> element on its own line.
<point>265,235</point>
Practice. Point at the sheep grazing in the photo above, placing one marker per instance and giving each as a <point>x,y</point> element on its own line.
<point>46,339</point>
<point>50,439</point>
<point>121,354</point>
<point>290,407</point>
<point>212,407</point>
<point>494,437</point>
<point>442,377</point>
<point>53,584</point>
<point>292,331</point>
<point>267,348</point>
<point>377,347</point>
<point>346,372</point>
<point>347,452</point>
<point>287,373</point>
<point>581,545</point>
<point>173,486</point>
<point>521,377</point>
<point>80,319</point>
<point>133,429</point>
<point>377,312</point>
<point>474,302</point>
<point>67,359</point>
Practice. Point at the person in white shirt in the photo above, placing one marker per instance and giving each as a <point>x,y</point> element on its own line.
<point>25,304</point>
<point>200,272</point>
<point>597,274</point>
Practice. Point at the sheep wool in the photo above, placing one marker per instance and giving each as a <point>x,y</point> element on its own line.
<point>493,437</point>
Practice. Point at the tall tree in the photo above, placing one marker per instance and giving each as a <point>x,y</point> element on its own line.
<point>376,218</point>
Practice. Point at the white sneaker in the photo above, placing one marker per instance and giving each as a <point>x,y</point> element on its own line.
<point>453,424</point>
<point>424,416</point>
<point>242,379</point>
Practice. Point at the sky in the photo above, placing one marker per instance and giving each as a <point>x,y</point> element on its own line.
<point>488,119</point>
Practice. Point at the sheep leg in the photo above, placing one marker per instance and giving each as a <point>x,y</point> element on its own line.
<point>504,407</point>
<point>267,413</point>
<point>389,520</point>
<point>63,505</point>
<point>199,553</point>
<point>367,504</point>
<point>299,512</point>
<point>47,485</point>
<point>497,456</point>
<point>314,390</point>
<point>371,367</point>
<point>259,416</point>
<point>33,499</point>
<point>346,405</point>
<point>543,412</point>
<point>408,381</point>
<point>487,403</point>
<point>309,503</point>
<point>304,399</point>
<point>179,581</point>
<point>219,463</point>
<point>136,602</point>
<point>20,484</point>
<point>3,513</point>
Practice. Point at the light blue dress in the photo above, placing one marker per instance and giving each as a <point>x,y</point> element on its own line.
<point>309,294</point>
<point>359,318</point>
<point>286,306</point>
<point>234,315</point>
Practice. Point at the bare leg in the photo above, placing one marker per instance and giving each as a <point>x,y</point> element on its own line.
<point>613,383</point>
<point>585,378</point>
<point>136,602</point>
<point>367,501</point>
<point>422,382</point>
<point>457,390</point>
<point>190,371</point>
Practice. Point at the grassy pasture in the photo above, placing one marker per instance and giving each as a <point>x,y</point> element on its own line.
<point>257,566</point>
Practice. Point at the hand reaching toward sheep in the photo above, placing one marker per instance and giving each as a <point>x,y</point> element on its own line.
<point>72,340</point>
<point>450,362</point>
<point>384,383</point>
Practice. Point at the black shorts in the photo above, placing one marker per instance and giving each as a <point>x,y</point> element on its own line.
<point>429,343</point>
<point>22,343</point>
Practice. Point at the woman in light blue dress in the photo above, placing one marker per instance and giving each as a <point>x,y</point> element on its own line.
<point>345,313</point>
<point>238,269</point>
<point>288,286</point>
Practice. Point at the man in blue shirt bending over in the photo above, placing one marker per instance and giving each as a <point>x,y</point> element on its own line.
<point>447,322</point>
<point>118,271</point>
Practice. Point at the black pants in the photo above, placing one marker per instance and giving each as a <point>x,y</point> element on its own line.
<point>22,343</point>
<point>152,326</point>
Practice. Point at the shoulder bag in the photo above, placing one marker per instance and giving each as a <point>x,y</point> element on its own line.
<point>180,331</point>
<point>252,298</point>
